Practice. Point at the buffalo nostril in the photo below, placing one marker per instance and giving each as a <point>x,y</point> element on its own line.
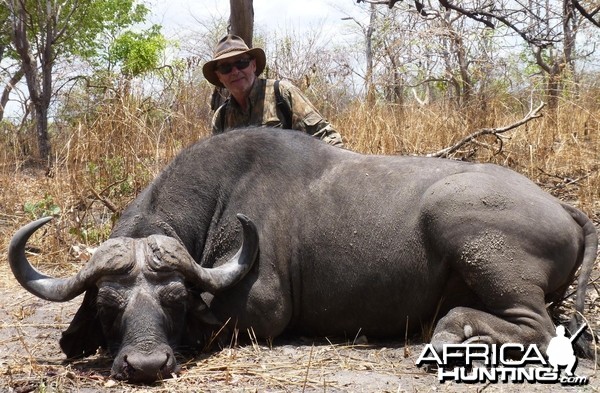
<point>138,367</point>
<point>165,363</point>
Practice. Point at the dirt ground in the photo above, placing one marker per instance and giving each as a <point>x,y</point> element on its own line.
<point>31,360</point>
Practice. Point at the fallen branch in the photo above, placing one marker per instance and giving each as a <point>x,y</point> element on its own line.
<point>533,114</point>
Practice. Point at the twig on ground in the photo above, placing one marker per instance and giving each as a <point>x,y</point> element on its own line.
<point>308,368</point>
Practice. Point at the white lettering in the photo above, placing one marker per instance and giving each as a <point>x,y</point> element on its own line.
<point>454,351</point>
<point>525,374</point>
<point>477,351</point>
<point>449,375</point>
<point>574,380</point>
<point>510,348</point>
<point>424,359</point>
<point>546,375</point>
<point>506,374</point>
<point>506,363</point>
<point>488,374</point>
<point>536,357</point>
<point>469,377</point>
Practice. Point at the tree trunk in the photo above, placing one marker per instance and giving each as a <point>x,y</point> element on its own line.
<point>369,87</point>
<point>41,116</point>
<point>39,92</point>
<point>241,19</point>
<point>570,28</point>
<point>394,91</point>
<point>553,69</point>
<point>457,62</point>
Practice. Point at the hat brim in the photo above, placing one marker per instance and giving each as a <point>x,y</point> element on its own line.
<point>209,68</point>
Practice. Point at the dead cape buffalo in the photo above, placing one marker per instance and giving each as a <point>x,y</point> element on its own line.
<point>276,231</point>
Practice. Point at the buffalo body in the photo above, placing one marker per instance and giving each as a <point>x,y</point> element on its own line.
<point>333,243</point>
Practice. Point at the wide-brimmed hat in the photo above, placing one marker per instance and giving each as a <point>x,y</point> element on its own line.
<point>230,46</point>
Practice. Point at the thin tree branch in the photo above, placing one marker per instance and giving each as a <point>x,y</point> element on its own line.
<point>587,15</point>
<point>533,114</point>
<point>8,88</point>
<point>105,201</point>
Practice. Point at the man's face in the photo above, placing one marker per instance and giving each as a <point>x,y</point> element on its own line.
<point>237,74</point>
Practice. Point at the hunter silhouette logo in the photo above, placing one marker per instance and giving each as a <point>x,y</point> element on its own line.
<point>528,366</point>
<point>560,350</point>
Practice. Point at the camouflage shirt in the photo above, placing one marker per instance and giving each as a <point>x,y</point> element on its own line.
<point>263,111</point>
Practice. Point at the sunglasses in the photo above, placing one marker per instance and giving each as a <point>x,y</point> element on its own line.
<point>226,68</point>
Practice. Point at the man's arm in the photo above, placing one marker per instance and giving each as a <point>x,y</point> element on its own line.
<point>305,116</point>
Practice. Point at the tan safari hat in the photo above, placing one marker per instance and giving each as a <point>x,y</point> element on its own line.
<point>230,46</point>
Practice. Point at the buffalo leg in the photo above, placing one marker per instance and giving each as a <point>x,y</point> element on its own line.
<point>513,251</point>
<point>511,287</point>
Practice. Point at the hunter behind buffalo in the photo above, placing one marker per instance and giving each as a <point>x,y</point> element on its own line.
<point>260,102</point>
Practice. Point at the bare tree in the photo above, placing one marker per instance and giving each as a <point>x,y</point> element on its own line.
<point>589,10</point>
<point>368,32</point>
<point>548,27</point>
<point>14,78</point>
<point>435,51</point>
<point>456,56</point>
<point>369,29</point>
<point>38,84</point>
<point>562,65</point>
<point>12,72</point>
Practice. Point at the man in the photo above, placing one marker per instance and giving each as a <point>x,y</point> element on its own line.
<point>259,102</point>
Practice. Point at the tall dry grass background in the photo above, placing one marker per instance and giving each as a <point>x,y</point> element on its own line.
<point>102,161</point>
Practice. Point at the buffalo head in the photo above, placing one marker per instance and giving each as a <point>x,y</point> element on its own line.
<point>141,295</point>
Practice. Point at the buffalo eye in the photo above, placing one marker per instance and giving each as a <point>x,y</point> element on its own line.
<point>110,304</point>
<point>173,295</point>
<point>173,299</point>
<point>109,298</point>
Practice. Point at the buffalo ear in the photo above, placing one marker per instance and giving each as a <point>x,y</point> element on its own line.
<point>203,329</point>
<point>84,335</point>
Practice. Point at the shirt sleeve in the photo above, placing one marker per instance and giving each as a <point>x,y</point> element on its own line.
<point>305,116</point>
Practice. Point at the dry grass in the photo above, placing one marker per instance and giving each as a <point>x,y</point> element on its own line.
<point>561,152</point>
<point>103,161</point>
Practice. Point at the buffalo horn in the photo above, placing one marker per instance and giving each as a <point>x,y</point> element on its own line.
<point>228,274</point>
<point>45,287</point>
